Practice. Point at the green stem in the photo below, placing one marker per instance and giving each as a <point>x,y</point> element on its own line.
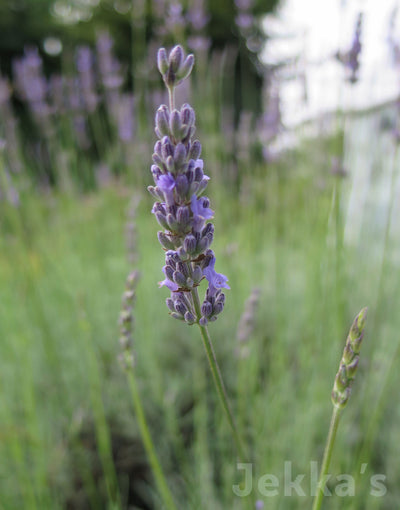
<point>327,457</point>
<point>171,97</point>
<point>148,444</point>
<point>216,373</point>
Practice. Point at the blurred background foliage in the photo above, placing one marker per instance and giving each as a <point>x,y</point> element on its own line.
<point>133,24</point>
<point>64,45</point>
<point>306,221</point>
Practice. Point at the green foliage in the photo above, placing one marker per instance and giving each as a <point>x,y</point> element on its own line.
<point>65,407</point>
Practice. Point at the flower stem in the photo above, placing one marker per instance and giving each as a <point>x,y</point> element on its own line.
<point>216,373</point>
<point>148,444</point>
<point>327,457</point>
<point>171,97</point>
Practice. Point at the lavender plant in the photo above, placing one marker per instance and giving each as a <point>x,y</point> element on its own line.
<point>127,360</point>
<point>244,19</point>
<point>247,323</point>
<point>183,211</point>
<point>180,208</point>
<point>351,59</point>
<point>340,395</point>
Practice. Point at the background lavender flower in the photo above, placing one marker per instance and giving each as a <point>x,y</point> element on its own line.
<point>32,87</point>
<point>198,19</point>
<point>126,320</point>
<point>111,73</point>
<point>392,39</point>
<point>130,230</point>
<point>85,64</point>
<point>8,125</point>
<point>351,58</point>
<point>126,117</point>
<point>244,19</point>
<point>247,322</point>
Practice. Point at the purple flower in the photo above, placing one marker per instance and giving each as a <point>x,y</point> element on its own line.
<point>200,208</point>
<point>180,208</point>
<point>125,118</point>
<point>172,286</point>
<point>166,183</point>
<point>244,5</point>
<point>215,280</point>
<point>244,20</point>
<point>201,212</point>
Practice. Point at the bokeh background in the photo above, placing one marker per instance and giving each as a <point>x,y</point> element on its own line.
<point>297,111</point>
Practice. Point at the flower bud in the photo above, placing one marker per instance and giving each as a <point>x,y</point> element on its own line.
<point>187,115</point>
<point>189,135</point>
<point>179,155</point>
<point>195,150</point>
<point>175,58</point>
<point>190,318</point>
<point>198,173</point>
<point>202,185</point>
<point>128,297</point>
<point>182,185</point>
<point>156,172</point>
<point>165,241</point>
<point>169,272</point>
<point>176,315</point>
<point>175,124</point>
<point>349,362</point>
<point>186,68</point>
<point>352,367</point>
<point>170,164</point>
<point>204,243</point>
<point>162,121</point>
<point>182,267</point>
<point>172,223</point>
<point>162,61</point>
<point>220,298</point>
<point>208,229</point>
<point>183,254</point>
<point>180,307</point>
<point>197,274</point>
<point>162,220</point>
<point>179,279</point>
<point>153,192</point>
<point>184,132</point>
<point>206,309</point>
<point>159,194</point>
<point>218,307</point>
<point>190,244</point>
<point>167,149</point>
<point>170,304</point>
<point>193,188</point>
<point>158,148</point>
<point>182,216</point>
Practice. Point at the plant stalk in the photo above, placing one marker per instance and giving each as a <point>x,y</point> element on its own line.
<point>216,373</point>
<point>148,443</point>
<point>327,457</point>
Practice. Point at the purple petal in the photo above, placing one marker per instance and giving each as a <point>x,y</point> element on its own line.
<point>166,182</point>
<point>172,286</point>
<point>216,280</point>
<point>199,163</point>
<point>198,208</point>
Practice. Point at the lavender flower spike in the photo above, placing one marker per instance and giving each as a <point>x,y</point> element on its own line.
<point>181,209</point>
<point>183,212</point>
